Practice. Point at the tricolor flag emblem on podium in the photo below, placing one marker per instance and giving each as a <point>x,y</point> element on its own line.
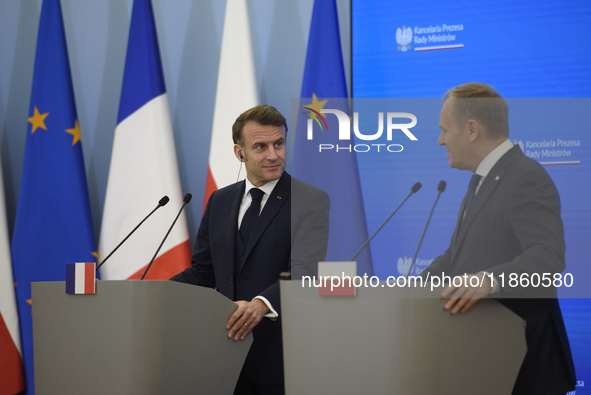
<point>81,278</point>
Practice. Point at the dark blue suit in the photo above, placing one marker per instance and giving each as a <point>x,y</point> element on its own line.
<point>291,234</point>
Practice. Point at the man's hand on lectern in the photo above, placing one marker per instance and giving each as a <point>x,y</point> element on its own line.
<point>466,295</point>
<point>246,317</point>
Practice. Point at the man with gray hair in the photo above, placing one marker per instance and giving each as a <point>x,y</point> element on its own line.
<point>509,222</point>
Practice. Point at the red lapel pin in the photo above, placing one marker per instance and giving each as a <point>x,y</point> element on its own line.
<point>497,178</point>
<point>279,197</point>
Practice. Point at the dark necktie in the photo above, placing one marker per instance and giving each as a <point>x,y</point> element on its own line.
<point>251,215</point>
<point>471,192</point>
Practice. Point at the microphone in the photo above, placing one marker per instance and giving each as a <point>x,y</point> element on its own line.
<point>414,189</point>
<point>186,200</point>
<point>440,188</point>
<point>161,203</point>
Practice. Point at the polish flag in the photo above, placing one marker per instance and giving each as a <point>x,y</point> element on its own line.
<point>144,167</point>
<point>236,93</point>
<point>12,374</point>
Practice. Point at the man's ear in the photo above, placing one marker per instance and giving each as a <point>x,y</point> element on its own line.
<point>474,130</point>
<point>239,152</point>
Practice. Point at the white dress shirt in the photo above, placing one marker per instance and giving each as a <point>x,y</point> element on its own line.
<point>247,198</point>
<point>490,160</point>
<point>244,205</point>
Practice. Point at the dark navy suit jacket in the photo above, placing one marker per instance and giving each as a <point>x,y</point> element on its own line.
<point>291,234</point>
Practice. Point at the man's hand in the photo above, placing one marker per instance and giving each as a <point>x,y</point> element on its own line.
<point>246,317</point>
<point>465,296</point>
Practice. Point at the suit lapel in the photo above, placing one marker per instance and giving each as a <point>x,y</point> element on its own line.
<point>276,199</point>
<point>235,201</point>
<point>486,189</point>
<point>454,238</point>
<point>489,184</point>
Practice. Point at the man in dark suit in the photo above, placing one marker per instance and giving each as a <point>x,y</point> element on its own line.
<point>509,222</point>
<point>252,231</point>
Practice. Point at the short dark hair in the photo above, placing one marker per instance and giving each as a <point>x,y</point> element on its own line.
<point>483,103</point>
<point>263,115</point>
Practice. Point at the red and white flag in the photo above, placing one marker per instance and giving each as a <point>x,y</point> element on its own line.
<point>236,93</point>
<point>12,374</point>
<point>144,167</point>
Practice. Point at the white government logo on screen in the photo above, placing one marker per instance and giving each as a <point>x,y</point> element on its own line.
<point>403,38</point>
<point>404,265</point>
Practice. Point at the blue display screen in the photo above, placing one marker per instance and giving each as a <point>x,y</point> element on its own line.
<point>538,56</point>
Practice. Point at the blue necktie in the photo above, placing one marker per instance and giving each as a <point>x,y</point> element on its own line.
<point>251,215</point>
<point>471,192</point>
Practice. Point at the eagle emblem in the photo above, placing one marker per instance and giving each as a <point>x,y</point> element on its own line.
<point>404,265</point>
<point>403,38</point>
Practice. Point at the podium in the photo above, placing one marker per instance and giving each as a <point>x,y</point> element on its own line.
<point>396,341</point>
<point>134,337</point>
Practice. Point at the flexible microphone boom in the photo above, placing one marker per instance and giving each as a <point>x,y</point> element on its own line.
<point>186,200</point>
<point>414,189</point>
<point>161,203</point>
<point>440,188</point>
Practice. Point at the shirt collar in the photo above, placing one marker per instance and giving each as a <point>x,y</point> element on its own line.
<point>492,158</point>
<point>267,188</point>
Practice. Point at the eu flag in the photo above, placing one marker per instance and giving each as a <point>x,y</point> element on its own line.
<point>335,171</point>
<point>53,222</point>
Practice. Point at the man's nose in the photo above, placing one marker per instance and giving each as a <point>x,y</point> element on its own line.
<point>272,154</point>
<point>440,140</point>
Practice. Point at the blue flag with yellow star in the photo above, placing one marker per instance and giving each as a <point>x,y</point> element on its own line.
<point>53,222</point>
<point>335,171</point>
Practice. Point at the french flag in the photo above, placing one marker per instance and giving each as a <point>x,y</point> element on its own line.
<point>144,166</point>
<point>80,278</point>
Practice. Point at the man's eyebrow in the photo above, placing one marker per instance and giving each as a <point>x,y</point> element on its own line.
<point>254,144</point>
